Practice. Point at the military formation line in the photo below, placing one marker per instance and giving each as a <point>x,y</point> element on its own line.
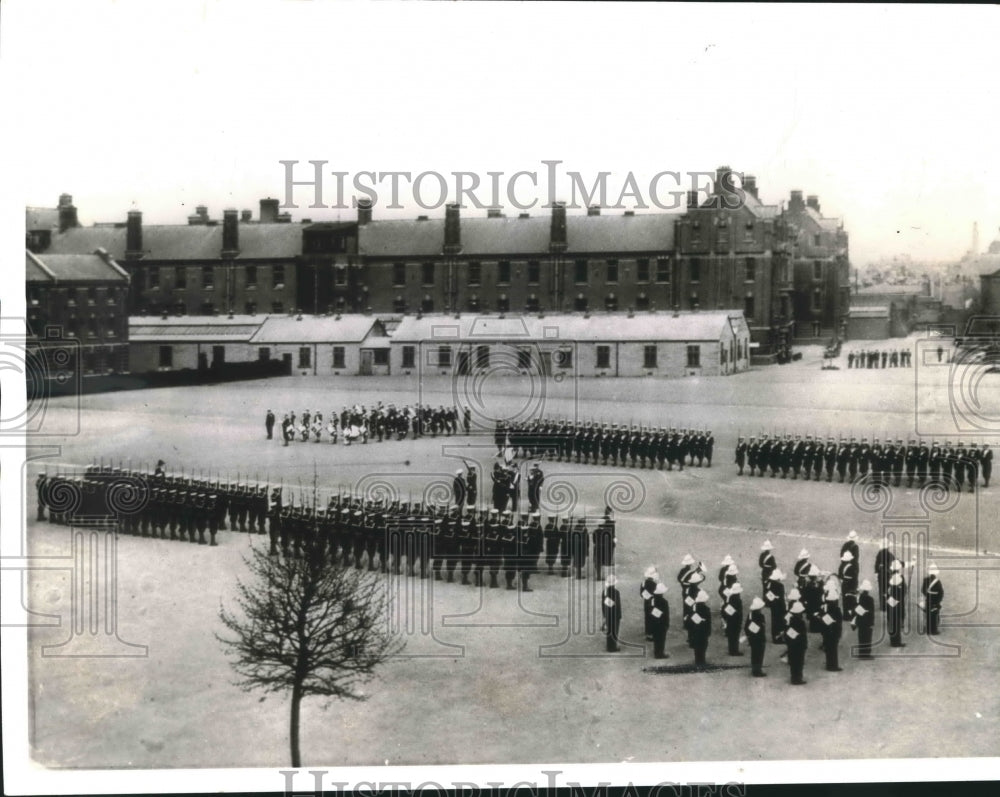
<point>600,443</point>
<point>888,463</point>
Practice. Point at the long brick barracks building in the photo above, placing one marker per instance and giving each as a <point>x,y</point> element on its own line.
<point>785,268</point>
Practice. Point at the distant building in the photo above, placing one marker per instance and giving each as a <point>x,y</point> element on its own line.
<point>41,224</point>
<point>78,297</point>
<point>648,344</point>
<point>324,345</point>
<point>820,267</point>
<point>779,267</point>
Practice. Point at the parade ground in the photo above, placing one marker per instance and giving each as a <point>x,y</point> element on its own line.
<point>491,676</point>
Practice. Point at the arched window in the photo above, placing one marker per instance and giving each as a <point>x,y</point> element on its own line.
<point>503,303</point>
<point>611,302</point>
<point>642,301</point>
<point>580,303</point>
<point>532,303</point>
<point>427,305</point>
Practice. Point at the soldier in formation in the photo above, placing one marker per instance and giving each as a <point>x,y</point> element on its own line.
<point>916,461</point>
<point>146,504</point>
<point>594,443</point>
<point>880,358</point>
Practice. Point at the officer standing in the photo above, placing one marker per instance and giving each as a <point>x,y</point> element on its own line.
<point>535,479</point>
<point>832,626</point>
<point>767,563</point>
<point>741,454</point>
<point>471,486</point>
<point>884,560</point>
<point>458,495</point>
<point>269,424</point>
<point>864,619</point>
<point>699,624</point>
<point>933,592</point>
<point>659,614</point>
<point>796,636</point>
<point>986,463</point>
<point>755,629</point>
<point>732,617</point>
<point>580,546</point>
<point>774,596</point>
<point>896,605</point>
<point>646,591</point>
<point>551,535</point>
<point>612,611</point>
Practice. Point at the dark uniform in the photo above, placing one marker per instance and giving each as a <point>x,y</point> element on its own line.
<point>732,618</point>
<point>797,639</point>
<point>659,614</point>
<point>755,629</point>
<point>699,625</point>
<point>831,620</point>
<point>896,609</point>
<point>611,609</point>
<point>933,592</point>
<point>864,620</point>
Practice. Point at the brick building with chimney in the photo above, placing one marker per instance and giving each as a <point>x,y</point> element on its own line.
<point>80,298</point>
<point>778,266</point>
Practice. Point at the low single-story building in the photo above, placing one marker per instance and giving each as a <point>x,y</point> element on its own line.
<point>327,345</point>
<point>349,344</point>
<point>608,344</point>
<point>176,342</point>
<point>869,322</point>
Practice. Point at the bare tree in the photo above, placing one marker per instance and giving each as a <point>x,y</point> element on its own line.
<point>310,626</point>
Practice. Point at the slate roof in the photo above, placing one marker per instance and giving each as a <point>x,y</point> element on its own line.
<point>569,328</point>
<point>401,238</point>
<point>351,328</point>
<point>189,329</point>
<point>41,219</point>
<point>71,268</point>
<point>485,237</point>
<point>196,242</point>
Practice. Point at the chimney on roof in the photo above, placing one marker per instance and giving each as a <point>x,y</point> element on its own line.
<point>364,211</point>
<point>230,232</point>
<point>268,211</point>
<point>422,218</point>
<point>200,215</point>
<point>692,200</point>
<point>133,235</point>
<point>246,216</point>
<point>524,215</point>
<point>67,213</point>
<point>813,201</point>
<point>452,229</point>
<point>724,180</point>
<point>557,234</point>
<point>629,212</point>
<point>594,210</point>
<point>494,213</point>
<point>795,202</point>
<point>750,185</point>
<point>284,218</point>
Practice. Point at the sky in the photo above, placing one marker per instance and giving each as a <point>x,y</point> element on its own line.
<point>887,113</point>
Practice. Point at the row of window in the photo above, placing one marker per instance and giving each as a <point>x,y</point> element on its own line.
<point>180,276</point>
<point>91,296</point>
<point>581,272</point>
<point>480,356</point>
<point>560,358</point>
